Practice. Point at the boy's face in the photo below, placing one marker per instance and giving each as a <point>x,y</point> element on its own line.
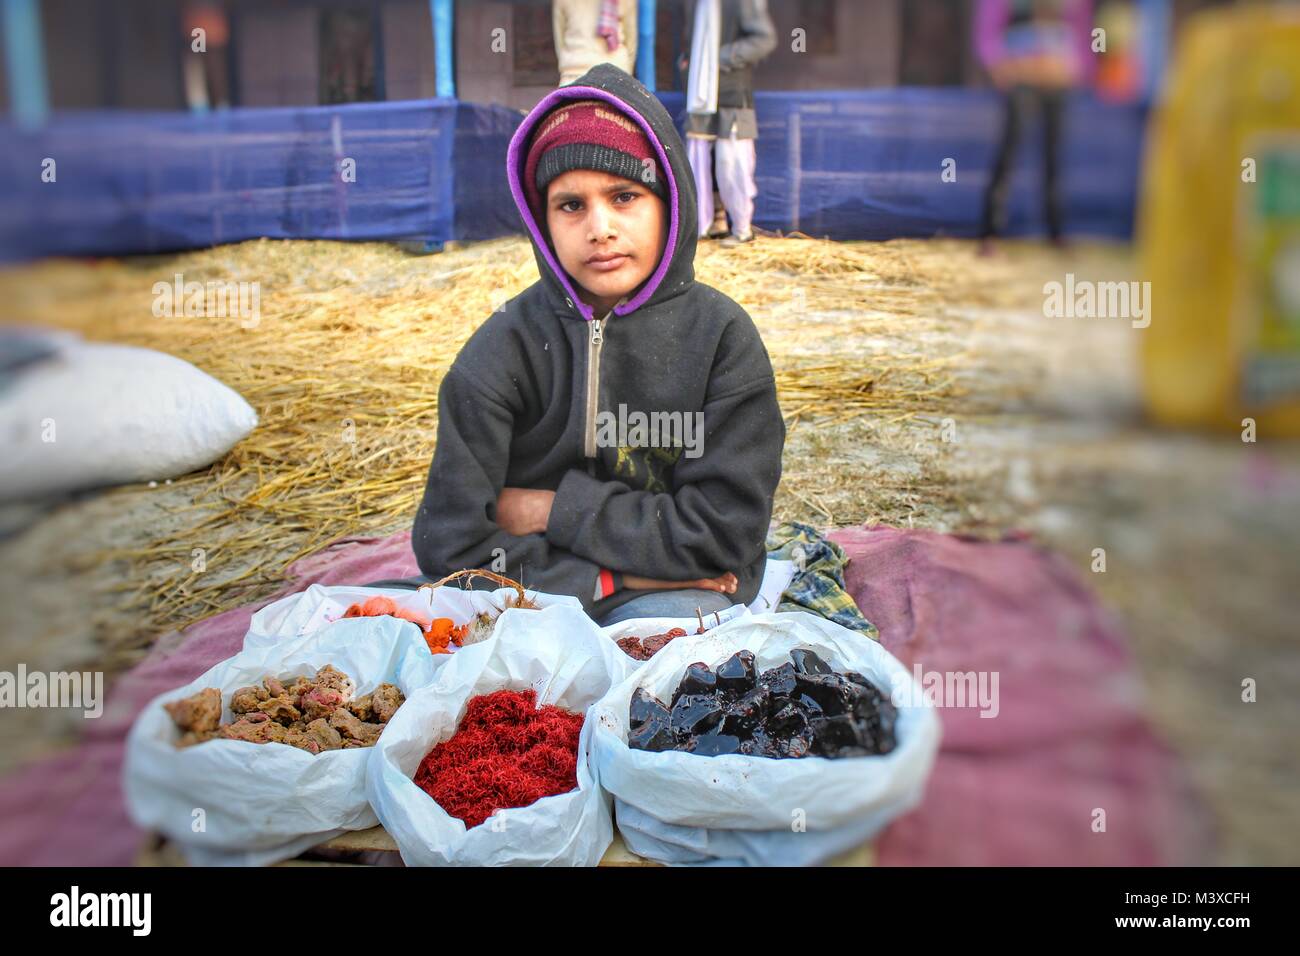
<point>608,233</point>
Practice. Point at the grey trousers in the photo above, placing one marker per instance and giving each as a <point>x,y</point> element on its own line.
<point>678,603</point>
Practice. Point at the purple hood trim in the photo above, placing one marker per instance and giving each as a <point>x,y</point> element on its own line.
<point>514,162</point>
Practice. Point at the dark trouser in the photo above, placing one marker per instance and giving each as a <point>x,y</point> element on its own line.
<point>682,602</point>
<point>411,583</point>
<point>1020,103</point>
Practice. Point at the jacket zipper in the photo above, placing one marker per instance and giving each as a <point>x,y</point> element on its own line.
<point>594,345</point>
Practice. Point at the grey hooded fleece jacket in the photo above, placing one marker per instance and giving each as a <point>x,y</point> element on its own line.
<point>519,407</point>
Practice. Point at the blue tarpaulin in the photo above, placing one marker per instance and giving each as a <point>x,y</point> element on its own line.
<point>151,182</point>
<point>863,164</point>
<point>868,164</point>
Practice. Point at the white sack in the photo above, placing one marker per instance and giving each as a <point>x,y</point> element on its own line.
<point>761,793</point>
<point>560,653</point>
<point>107,414</point>
<point>270,798</point>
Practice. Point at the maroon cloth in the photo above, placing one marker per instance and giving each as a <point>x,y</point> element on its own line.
<point>1070,735</point>
<point>1016,789</point>
<point>607,24</point>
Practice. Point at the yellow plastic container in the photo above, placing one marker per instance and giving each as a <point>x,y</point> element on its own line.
<point>1219,227</point>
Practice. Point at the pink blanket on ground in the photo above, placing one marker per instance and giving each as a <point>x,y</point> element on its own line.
<point>1024,787</point>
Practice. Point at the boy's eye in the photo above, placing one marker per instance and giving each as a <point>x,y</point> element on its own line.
<point>622,199</point>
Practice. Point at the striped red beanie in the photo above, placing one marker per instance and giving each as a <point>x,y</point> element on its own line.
<point>588,134</point>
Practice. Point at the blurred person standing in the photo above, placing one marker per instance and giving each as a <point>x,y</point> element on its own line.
<point>727,39</point>
<point>588,32</point>
<point>1035,51</point>
<point>205,68</point>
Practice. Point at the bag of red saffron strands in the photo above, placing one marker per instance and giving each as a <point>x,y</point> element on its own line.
<point>490,764</point>
<point>507,753</point>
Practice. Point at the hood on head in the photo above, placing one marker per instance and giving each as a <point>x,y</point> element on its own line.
<point>676,270</point>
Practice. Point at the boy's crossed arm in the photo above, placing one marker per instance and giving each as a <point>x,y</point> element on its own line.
<point>461,521</point>
<point>715,520</point>
<point>522,511</point>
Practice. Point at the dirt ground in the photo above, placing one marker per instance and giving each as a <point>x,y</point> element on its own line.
<point>1037,426</point>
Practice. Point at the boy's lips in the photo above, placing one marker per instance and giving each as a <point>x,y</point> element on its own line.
<point>607,261</point>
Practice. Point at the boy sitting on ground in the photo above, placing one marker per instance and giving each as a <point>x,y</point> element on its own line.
<point>612,432</point>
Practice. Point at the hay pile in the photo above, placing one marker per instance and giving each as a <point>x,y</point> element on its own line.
<point>344,365</point>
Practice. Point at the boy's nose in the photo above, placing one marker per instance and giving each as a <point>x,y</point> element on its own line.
<point>600,225</point>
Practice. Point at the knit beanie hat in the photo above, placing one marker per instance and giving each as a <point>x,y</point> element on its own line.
<point>588,134</point>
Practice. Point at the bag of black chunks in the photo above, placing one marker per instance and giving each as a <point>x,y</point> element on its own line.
<point>771,722</point>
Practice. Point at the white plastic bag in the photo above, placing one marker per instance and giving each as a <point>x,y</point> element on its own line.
<point>101,414</point>
<point>560,653</point>
<point>777,575</point>
<point>263,802</point>
<point>653,839</point>
<point>307,611</point>
<point>761,793</point>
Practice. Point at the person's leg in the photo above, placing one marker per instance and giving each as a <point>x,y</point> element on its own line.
<point>676,603</point>
<point>994,220</point>
<point>1053,107</point>
<point>719,227</point>
<point>700,153</point>
<point>736,162</point>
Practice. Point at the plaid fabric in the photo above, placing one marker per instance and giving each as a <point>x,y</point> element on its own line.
<point>607,24</point>
<point>818,583</point>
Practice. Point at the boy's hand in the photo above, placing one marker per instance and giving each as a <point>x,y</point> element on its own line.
<point>522,511</point>
<point>723,584</point>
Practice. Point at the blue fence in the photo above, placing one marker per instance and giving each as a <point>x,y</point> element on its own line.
<point>847,164</point>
